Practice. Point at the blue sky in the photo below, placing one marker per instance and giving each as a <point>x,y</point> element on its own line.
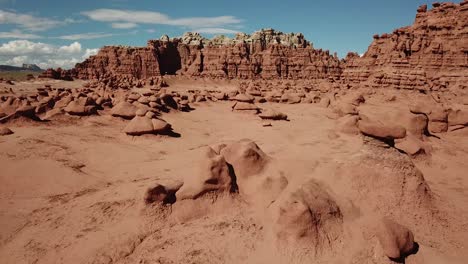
<point>61,33</point>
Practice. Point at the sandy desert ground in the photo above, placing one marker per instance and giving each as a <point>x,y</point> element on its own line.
<point>72,189</point>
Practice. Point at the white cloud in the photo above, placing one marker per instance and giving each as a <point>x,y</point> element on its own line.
<point>89,52</point>
<point>17,34</point>
<point>124,25</point>
<point>215,31</point>
<point>22,47</point>
<point>85,36</point>
<point>45,55</point>
<point>73,48</point>
<point>151,31</point>
<point>28,22</point>
<point>149,17</point>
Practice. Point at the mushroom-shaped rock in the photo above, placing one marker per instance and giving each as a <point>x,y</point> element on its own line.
<point>272,114</point>
<point>245,107</point>
<point>143,100</point>
<point>145,123</point>
<point>63,102</point>
<point>246,158</point>
<point>141,112</point>
<point>246,98</point>
<point>396,240</point>
<point>307,214</point>
<point>290,98</point>
<point>139,125</point>
<point>81,106</point>
<point>124,109</point>
<point>220,95</point>
<point>211,174</point>
<point>380,130</point>
<point>160,126</point>
<point>4,131</point>
<point>54,113</point>
<point>134,97</point>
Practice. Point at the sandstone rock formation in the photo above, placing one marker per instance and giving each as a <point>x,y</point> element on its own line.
<point>211,173</point>
<point>145,122</point>
<point>429,55</point>
<point>264,54</point>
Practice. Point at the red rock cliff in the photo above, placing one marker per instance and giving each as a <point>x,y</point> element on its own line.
<point>264,54</point>
<point>430,54</point>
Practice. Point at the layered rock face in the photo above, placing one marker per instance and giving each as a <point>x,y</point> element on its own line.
<point>140,63</point>
<point>265,54</point>
<point>430,54</point>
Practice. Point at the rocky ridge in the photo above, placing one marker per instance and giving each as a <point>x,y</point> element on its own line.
<point>431,54</point>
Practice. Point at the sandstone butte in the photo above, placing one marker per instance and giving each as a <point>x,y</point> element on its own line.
<point>430,54</point>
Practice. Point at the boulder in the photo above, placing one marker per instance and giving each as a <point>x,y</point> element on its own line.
<point>160,126</point>
<point>63,102</point>
<point>81,106</point>
<point>220,96</point>
<point>246,98</point>
<point>291,98</point>
<point>410,145</point>
<point>272,114</point>
<point>146,124</point>
<point>124,110</point>
<point>396,240</point>
<point>143,100</point>
<point>54,113</point>
<point>380,130</point>
<point>245,107</point>
<point>139,125</point>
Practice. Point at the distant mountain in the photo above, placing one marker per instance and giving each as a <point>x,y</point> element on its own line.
<point>25,67</point>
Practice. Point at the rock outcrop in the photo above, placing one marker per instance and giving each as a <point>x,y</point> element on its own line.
<point>264,54</point>
<point>429,55</point>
